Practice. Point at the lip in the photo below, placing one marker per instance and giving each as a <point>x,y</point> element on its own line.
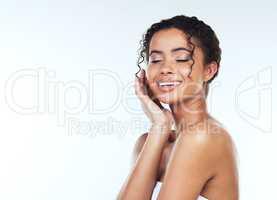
<point>168,85</point>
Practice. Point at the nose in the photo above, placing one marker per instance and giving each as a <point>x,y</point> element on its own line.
<point>166,68</point>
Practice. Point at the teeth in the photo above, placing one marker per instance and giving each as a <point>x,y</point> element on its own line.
<point>169,83</point>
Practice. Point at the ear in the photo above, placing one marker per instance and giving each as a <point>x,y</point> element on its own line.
<point>210,70</point>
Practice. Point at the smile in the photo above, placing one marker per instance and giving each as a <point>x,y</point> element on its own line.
<point>167,86</point>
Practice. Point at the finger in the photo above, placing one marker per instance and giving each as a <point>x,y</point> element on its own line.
<point>145,91</point>
<point>139,88</point>
<point>142,78</point>
<point>143,82</point>
<point>141,75</point>
<point>151,95</point>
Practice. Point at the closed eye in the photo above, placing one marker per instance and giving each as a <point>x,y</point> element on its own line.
<point>184,60</point>
<point>155,61</point>
<point>179,60</point>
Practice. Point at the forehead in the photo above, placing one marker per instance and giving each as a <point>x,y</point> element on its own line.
<point>168,39</point>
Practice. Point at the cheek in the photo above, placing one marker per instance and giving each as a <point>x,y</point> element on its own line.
<point>150,75</point>
<point>199,77</point>
<point>193,83</point>
<point>151,72</point>
<point>184,72</point>
<point>197,72</point>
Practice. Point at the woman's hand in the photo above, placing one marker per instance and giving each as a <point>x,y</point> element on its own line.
<point>158,115</point>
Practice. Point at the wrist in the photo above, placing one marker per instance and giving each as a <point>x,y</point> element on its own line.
<point>160,128</point>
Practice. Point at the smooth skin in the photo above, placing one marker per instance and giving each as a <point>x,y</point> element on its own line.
<point>199,157</point>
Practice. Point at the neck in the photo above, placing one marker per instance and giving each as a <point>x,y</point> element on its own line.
<point>189,113</point>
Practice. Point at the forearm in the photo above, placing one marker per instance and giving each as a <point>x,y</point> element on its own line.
<point>141,181</point>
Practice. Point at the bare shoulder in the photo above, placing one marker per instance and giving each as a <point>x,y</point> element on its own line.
<point>211,140</point>
<point>200,154</point>
<point>220,137</point>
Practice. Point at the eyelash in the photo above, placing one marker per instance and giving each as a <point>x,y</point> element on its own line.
<point>185,60</point>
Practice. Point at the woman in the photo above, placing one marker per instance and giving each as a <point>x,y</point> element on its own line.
<point>197,160</point>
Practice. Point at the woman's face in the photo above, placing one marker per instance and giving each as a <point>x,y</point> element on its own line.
<point>169,67</point>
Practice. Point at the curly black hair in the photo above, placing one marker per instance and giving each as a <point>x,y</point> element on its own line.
<point>191,26</point>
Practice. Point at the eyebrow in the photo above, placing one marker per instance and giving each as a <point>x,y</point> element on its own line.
<point>173,50</point>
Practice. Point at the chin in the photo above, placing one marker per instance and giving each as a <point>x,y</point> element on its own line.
<point>175,97</point>
<point>168,98</point>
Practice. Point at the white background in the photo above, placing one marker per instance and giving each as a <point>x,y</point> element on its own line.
<point>53,145</point>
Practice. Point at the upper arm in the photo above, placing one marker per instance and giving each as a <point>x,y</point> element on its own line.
<point>138,147</point>
<point>193,162</point>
